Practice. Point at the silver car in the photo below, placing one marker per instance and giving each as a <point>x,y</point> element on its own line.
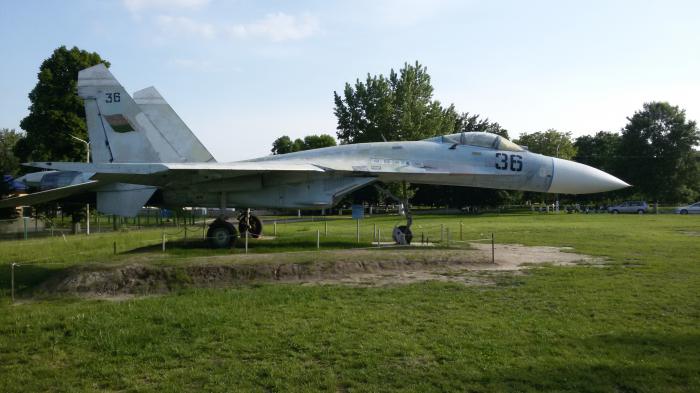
<point>690,209</point>
<point>639,207</point>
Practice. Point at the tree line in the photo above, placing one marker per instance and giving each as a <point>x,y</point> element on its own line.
<point>655,151</point>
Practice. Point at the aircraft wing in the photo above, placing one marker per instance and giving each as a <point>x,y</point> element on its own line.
<point>48,195</point>
<point>159,174</point>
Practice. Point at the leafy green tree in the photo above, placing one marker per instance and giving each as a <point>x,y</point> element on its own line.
<point>551,143</point>
<point>468,123</point>
<point>398,107</point>
<point>656,153</point>
<point>318,141</point>
<point>9,163</point>
<point>284,144</point>
<point>599,150</point>
<point>56,111</point>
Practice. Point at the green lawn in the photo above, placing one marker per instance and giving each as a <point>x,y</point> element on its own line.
<point>632,326</point>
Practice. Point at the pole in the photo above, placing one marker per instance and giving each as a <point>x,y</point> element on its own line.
<point>442,233</point>
<point>12,279</point>
<point>493,250</point>
<point>274,225</point>
<point>357,231</point>
<point>164,242</point>
<point>246,240</point>
<point>87,159</point>
<point>374,233</point>
<point>318,239</point>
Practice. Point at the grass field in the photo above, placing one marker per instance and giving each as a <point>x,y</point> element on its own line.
<point>631,326</point>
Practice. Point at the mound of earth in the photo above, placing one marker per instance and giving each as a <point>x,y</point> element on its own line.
<point>367,267</point>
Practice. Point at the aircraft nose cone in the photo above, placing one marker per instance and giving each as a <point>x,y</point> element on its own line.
<point>574,178</point>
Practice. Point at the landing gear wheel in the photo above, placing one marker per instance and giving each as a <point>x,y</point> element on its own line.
<point>221,234</point>
<point>252,224</point>
<point>402,235</point>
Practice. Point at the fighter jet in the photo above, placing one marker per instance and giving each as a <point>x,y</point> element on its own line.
<point>145,155</point>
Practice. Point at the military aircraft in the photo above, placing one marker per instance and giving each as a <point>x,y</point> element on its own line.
<point>142,153</point>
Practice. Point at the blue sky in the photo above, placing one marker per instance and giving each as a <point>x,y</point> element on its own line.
<point>242,73</point>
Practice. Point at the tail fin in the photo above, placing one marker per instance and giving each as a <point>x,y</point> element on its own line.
<point>171,127</point>
<point>119,130</point>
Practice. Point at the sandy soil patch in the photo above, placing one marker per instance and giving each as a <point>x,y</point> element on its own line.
<point>360,267</point>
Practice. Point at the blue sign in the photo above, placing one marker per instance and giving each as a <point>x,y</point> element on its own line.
<point>358,212</point>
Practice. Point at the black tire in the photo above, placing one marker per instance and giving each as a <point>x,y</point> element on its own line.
<point>614,211</point>
<point>255,229</point>
<point>684,211</point>
<point>407,234</point>
<point>640,211</point>
<point>221,234</point>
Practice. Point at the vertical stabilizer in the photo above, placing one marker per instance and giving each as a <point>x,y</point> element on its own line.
<point>171,127</point>
<point>119,130</point>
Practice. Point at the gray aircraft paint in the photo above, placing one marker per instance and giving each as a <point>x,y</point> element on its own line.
<point>138,149</point>
<point>171,127</point>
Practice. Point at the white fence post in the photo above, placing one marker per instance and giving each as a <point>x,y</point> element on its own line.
<point>12,279</point>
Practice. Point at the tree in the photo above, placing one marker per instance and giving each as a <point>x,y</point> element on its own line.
<point>598,151</point>
<point>468,123</point>
<point>318,141</point>
<point>400,107</point>
<point>284,144</point>
<point>656,153</point>
<point>551,143</point>
<point>9,163</point>
<point>56,112</point>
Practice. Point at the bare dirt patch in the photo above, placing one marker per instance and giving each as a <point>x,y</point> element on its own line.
<point>362,267</point>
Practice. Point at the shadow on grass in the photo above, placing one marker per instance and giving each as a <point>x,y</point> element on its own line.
<point>641,362</point>
<point>583,377</point>
<point>201,247</point>
<point>26,276</point>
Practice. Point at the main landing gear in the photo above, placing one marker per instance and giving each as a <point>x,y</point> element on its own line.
<point>223,234</point>
<point>250,223</point>
<point>402,233</point>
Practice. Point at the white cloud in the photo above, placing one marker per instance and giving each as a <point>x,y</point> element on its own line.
<point>139,5</point>
<point>278,27</point>
<point>182,26</point>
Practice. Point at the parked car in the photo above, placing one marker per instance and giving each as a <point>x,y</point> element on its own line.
<point>690,209</point>
<point>639,207</point>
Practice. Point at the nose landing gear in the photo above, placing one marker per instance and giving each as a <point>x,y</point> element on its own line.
<point>401,234</point>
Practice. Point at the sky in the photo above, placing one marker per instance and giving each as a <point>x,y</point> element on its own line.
<point>242,73</point>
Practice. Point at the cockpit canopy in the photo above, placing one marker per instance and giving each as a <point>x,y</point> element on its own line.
<point>479,139</point>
